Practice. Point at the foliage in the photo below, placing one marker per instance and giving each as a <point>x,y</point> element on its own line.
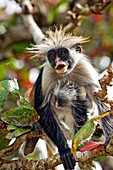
<point>3,141</point>
<point>15,63</point>
<point>86,131</point>
<point>18,118</point>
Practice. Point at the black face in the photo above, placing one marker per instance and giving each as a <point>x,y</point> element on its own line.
<point>60,59</point>
<point>61,53</point>
<point>61,101</point>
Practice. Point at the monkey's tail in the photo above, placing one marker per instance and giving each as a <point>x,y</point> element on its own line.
<point>106,122</point>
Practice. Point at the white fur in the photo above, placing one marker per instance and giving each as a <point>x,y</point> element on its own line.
<point>82,73</point>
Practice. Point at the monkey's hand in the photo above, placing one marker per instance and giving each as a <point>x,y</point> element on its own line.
<point>37,127</point>
<point>67,159</point>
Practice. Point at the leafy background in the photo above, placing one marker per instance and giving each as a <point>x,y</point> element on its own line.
<point>15,62</point>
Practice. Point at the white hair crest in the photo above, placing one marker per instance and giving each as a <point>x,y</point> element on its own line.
<point>55,39</point>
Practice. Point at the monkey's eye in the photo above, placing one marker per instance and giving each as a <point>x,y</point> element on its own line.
<point>61,101</point>
<point>78,48</point>
<point>51,53</point>
<point>63,53</point>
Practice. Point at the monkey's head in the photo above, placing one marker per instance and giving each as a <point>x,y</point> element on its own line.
<point>62,60</point>
<point>60,50</point>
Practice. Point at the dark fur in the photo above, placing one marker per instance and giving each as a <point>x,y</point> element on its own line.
<point>76,68</point>
<point>67,94</point>
<point>50,126</point>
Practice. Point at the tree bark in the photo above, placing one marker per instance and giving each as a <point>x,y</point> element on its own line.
<point>53,161</point>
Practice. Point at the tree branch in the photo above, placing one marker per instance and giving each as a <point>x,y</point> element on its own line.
<point>30,22</point>
<point>80,8</point>
<point>15,35</point>
<point>53,161</point>
<point>12,148</point>
<point>33,28</point>
<point>84,8</point>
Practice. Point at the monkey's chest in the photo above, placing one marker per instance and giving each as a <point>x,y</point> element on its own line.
<point>65,120</point>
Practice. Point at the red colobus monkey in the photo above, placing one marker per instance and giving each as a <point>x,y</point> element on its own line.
<point>64,60</point>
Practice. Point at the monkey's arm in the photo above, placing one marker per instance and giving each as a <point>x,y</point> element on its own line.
<point>79,110</point>
<point>50,126</point>
<point>107,122</point>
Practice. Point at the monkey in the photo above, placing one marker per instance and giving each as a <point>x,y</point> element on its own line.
<point>63,58</point>
<point>70,107</point>
<point>65,100</point>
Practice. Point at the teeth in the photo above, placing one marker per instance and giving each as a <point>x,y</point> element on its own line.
<point>60,63</point>
<point>61,67</point>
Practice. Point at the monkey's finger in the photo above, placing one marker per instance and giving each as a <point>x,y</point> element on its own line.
<point>68,161</point>
<point>71,160</point>
<point>64,162</point>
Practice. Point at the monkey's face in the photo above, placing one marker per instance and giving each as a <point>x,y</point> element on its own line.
<point>62,59</point>
<point>60,101</point>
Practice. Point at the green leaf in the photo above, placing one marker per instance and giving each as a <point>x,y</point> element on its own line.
<point>100,158</point>
<point>3,98</point>
<point>85,132</point>
<point>17,132</point>
<point>54,12</point>
<point>11,127</point>
<point>2,70</point>
<point>11,86</point>
<point>20,47</point>
<point>9,136</point>
<point>25,104</point>
<point>3,141</point>
<point>19,116</point>
<point>32,156</point>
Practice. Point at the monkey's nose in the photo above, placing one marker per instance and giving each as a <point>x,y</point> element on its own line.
<point>57,59</point>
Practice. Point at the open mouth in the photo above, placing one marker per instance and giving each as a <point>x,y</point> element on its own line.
<point>61,67</point>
